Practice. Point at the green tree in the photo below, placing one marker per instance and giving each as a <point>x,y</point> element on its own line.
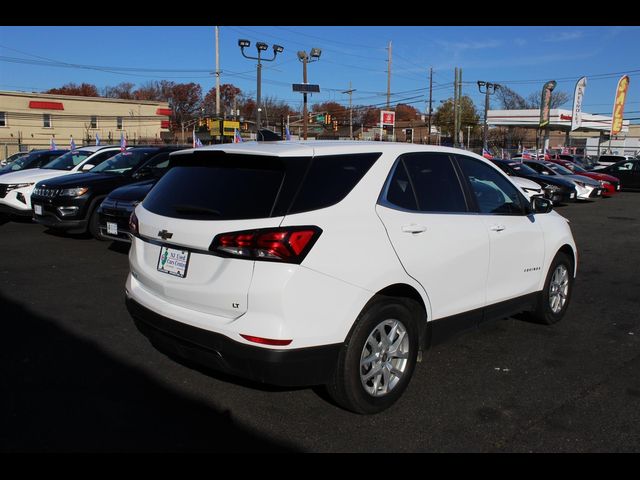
<point>443,116</point>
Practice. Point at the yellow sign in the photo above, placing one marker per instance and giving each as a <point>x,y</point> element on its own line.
<point>618,105</point>
<point>228,125</point>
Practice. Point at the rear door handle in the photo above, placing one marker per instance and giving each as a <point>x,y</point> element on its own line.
<point>497,228</point>
<point>413,228</point>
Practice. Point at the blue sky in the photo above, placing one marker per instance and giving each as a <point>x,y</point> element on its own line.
<point>522,58</point>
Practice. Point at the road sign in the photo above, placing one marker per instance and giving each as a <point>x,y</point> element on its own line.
<point>306,88</point>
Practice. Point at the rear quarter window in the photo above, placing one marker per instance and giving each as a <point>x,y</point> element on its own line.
<point>330,179</point>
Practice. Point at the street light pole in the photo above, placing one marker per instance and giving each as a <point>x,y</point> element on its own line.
<point>313,56</point>
<point>260,46</point>
<point>489,89</point>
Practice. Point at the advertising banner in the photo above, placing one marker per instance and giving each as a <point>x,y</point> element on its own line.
<point>576,115</point>
<point>618,105</point>
<point>545,103</point>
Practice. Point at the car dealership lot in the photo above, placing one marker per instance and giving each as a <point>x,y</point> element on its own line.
<point>78,376</point>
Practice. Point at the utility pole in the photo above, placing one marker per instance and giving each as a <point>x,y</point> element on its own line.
<point>430,103</point>
<point>459,104</point>
<point>350,92</point>
<point>389,77</point>
<point>489,89</point>
<point>217,73</point>
<point>455,108</point>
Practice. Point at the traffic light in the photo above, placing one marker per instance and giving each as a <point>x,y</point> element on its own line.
<point>311,118</point>
<point>409,135</point>
<point>327,119</point>
<point>335,125</point>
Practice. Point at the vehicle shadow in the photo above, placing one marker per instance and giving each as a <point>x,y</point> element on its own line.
<point>62,234</point>
<point>62,393</point>
<point>120,247</point>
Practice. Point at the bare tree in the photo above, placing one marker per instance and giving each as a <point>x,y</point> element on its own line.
<point>558,99</point>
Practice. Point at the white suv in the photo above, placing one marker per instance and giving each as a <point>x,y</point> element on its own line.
<point>16,187</point>
<point>337,262</point>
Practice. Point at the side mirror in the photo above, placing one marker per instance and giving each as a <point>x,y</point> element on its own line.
<point>541,205</point>
<point>86,167</point>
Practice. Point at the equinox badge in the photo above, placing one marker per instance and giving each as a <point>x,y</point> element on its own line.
<point>164,234</point>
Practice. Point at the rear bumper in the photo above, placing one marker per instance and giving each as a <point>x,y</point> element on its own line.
<point>295,367</point>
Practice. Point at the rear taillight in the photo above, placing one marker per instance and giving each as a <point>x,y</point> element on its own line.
<point>286,244</point>
<point>133,223</point>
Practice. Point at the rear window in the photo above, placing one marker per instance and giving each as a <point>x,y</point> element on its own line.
<point>219,186</point>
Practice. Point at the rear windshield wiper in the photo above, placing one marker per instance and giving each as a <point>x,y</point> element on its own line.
<point>196,209</point>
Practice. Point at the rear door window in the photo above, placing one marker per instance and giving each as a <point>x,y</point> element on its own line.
<point>426,182</point>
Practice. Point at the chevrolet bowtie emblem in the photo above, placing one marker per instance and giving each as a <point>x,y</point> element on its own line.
<point>164,234</point>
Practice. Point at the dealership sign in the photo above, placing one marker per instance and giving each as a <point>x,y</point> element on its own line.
<point>387,117</point>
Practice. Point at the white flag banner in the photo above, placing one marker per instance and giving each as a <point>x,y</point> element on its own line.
<point>576,115</point>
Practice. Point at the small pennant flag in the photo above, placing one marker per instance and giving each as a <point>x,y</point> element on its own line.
<point>97,139</point>
<point>53,144</point>
<point>123,142</point>
<point>73,145</point>
<point>486,154</point>
<point>526,154</point>
<point>237,138</point>
<point>287,133</point>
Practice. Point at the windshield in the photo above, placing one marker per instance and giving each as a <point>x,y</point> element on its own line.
<point>124,163</point>
<point>578,168</point>
<point>20,163</point>
<point>68,160</point>
<point>559,169</point>
<point>522,169</point>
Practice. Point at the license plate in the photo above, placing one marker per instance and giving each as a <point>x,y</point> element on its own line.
<point>173,261</point>
<point>37,209</point>
<point>112,228</point>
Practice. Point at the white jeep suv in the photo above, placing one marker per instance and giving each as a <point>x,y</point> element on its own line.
<point>335,263</point>
<point>16,187</point>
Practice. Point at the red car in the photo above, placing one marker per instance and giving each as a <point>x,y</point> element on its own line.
<point>610,184</point>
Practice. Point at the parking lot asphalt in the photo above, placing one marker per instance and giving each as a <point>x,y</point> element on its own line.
<point>76,375</point>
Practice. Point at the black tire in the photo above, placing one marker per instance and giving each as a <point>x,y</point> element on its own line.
<point>94,226</point>
<point>349,386</point>
<point>555,297</point>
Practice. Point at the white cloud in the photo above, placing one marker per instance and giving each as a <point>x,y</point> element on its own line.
<point>564,36</point>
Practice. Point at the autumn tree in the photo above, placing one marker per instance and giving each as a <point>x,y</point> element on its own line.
<point>229,98</point>
<point>366,116</point>
<point>185,102</point>
<point>406,112</point>
<point>82,90</point>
